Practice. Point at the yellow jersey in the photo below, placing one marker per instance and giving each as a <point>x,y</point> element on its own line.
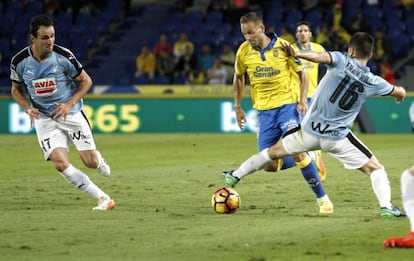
<point>273,76</point>
<point>311,68</point>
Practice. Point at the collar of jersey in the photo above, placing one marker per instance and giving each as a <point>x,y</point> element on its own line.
<point>360,65</point>
<point>300,46</point>
<point>272,36</point>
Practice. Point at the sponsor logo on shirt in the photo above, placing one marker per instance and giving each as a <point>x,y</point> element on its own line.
<point>44,86</point>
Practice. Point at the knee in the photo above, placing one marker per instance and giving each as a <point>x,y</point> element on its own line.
<point>299,157</point>
<point>369,168</point>
<point>90,159</point>
<point>91,162</point>
<point>61,165</point>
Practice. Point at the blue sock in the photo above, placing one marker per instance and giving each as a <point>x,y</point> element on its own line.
<point>311,175</point>
<point>288,162</point>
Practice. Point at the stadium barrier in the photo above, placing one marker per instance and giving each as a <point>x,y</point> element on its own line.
<point>187,109</point>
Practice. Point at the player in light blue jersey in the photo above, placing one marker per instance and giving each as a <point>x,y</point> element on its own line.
<point>335,105</point>
<point>56,83</point>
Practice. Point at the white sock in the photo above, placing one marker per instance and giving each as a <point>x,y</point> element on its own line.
<point>81,181</point>
<point>100,158</point>
<point>381,187</point>
<point>253,164</point>
<point>325,197</point>
<point>95,191</point>
<point>407,189</point>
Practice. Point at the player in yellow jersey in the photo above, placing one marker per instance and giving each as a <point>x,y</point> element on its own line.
<point>303,42</point>
<point>279,94</point>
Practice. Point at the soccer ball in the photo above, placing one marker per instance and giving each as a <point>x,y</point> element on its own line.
<point>225,201</point>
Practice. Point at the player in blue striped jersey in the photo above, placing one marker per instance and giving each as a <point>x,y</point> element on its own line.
<point>56,82</point>
<point>335,105</point>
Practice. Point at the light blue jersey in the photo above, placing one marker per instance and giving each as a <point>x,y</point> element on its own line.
<point>48,82</point>
<point>340,96</point>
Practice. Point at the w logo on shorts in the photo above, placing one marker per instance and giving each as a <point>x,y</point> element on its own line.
<point>75,135</point>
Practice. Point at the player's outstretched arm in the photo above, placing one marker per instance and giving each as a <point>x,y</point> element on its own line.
<point>304,84</point>
<point>317,57</point>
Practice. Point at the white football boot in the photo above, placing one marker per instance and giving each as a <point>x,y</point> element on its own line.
<point>105,203</point>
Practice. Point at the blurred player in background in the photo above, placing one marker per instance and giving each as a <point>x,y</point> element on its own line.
<point>335,105</point>
<point>56,83</point>
<point>279,94</point>
<point>303,42</point>
<point>407,189</point>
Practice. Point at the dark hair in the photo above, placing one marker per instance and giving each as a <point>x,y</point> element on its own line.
<point>304,23</point>
<point>251,17</point>
<point>40,20</point>
<point>363,43</point>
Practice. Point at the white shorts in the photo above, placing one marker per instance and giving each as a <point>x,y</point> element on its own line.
<point>53,134</point>
<point>350,150</point>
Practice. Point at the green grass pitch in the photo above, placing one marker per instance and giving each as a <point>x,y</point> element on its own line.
<point>163,183</point>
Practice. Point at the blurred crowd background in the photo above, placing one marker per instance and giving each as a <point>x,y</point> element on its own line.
<point>127,42</point>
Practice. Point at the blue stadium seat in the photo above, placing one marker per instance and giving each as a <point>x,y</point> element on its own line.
<point>180,80</point>
<point>34,8</point>
<point>102,23</point>
<point>292,17</point>
<point>80,49</point>
<point>372,12</point>
<point>161,80</point>
<point>409,23</point>
<point>176,17</point>
<point>387,4</point>
<point>64,21</point>
<point>372,16</point>
<point>274,17</point>
<point>7,22</point>
<point>314,17</point>
<point>190,27</point>
<point>141,80</point>
<point>19,42</point>
<point>5,49</point>
<point>236,40</point>
<point>350,10</point>
<point>16,7</point>
<point>214,17</point>
<point>226,28</point>
<point>391,14</point>
<point>83,19</point>
<point>122,80</point>
<point>278,4</point>
<point>394,27</point>
<point>199,38</point>
<point>400,45</point>
<point>5,46</point>
<point>194,16</point>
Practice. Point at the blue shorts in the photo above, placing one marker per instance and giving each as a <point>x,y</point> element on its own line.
<point>274,123</point>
